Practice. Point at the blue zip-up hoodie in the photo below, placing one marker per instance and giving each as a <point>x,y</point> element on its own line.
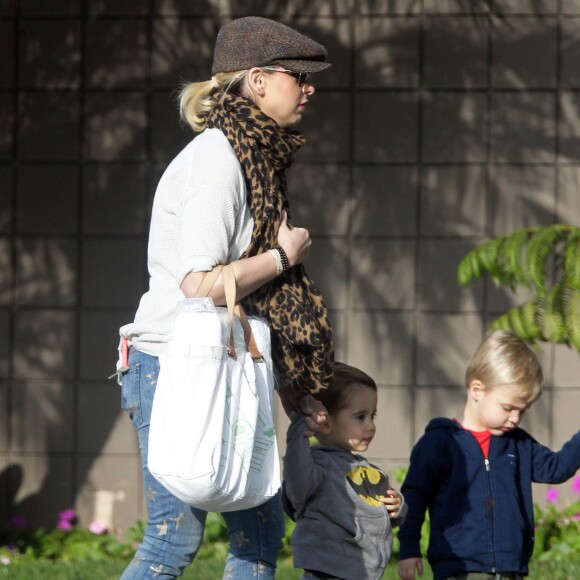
<point>481,511</point>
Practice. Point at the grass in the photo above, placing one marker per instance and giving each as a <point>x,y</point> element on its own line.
<point>212,570</point>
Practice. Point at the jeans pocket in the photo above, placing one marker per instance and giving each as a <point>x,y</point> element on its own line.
<point>130,393</point>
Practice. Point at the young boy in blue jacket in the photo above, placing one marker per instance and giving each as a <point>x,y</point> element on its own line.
<point>474,474</point>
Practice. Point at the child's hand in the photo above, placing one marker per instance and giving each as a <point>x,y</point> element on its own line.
<point>408,566</point>
<point>392,501</point>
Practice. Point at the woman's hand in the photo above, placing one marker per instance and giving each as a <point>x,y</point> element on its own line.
<point>252,273</point>
<point>296,242</point>
<point>296,402</point>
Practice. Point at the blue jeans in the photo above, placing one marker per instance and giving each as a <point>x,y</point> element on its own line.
<point>174,529</point>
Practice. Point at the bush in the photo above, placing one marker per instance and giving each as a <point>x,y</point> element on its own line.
<point>65,542</point>
<point>557,538</point>
<point>558,529</point>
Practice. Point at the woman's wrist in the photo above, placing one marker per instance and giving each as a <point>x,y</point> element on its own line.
<point>283,257</point>
<point>278,259</point>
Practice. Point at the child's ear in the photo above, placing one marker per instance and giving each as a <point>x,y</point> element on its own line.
<point>476,390</point>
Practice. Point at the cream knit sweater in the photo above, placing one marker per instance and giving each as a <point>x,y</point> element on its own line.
<point>200,218</point>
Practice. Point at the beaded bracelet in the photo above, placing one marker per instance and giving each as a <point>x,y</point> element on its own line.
<point>278,258</point>
<point>285,262</point>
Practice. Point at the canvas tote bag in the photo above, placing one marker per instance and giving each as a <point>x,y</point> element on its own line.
<point>212,441</point>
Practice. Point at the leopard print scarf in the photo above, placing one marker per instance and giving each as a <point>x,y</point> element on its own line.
<point>302,342</point>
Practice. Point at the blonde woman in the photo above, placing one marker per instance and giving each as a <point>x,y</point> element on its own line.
<point>223,200</point>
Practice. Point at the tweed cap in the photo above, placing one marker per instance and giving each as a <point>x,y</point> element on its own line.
<point>254,41</point>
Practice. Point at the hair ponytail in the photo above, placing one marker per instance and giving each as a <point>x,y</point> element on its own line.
<point>196,100</point>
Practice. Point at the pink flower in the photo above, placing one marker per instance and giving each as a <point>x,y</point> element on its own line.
<point>64,525</point>
<point>67,515</point>
<point>576,517</point>
<point>552,495</point>
<point>19,521</point>
<point>4,560</point>
<point>576,484</point>
<point>97,527</point>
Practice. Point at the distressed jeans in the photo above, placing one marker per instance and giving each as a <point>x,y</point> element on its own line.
<point>174,529</point>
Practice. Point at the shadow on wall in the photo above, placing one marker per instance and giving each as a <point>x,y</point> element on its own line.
<point>424,171</point>
<point>82,226</point>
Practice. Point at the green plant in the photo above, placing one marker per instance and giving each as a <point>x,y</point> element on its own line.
<point>558,529</point>
<point>286,552</point>
<point>66,543</point>
<point>216,540</point>
<point>544,260</point>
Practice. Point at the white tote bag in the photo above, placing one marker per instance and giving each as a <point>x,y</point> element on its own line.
<point>212,441</point>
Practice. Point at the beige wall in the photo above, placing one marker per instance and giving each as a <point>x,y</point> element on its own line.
<point>436,128</point>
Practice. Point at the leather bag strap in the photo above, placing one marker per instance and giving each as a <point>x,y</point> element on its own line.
<point>230,290</point>
<point>249,335</point>
<point>208,282</point>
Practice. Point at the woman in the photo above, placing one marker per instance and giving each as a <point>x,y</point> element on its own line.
<point>223,200</point>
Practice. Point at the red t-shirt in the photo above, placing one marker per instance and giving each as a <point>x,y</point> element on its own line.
<point>483,438</point>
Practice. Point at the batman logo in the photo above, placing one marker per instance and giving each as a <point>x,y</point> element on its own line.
<point>369,483</point>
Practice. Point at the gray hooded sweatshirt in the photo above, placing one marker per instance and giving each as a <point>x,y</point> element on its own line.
<point>342,529</point>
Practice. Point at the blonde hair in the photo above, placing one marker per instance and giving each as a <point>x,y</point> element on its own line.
<point>196,100</point>
<point>504,359</point>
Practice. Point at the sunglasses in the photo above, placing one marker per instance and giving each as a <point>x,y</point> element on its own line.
<point>301,78</point>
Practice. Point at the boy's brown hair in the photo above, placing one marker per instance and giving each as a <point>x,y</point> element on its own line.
<point>345,380</point>
<point>505,359</point>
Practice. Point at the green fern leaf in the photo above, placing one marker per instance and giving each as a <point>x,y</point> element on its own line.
<point>523,320</point>
<point>466,272</point>
<point>489,256</point>
<point>511,256</point>
<point>534,257</point>
<point>501,323</point>
<point>572,314</point>
<point>539,249</point>
<point>532,321</point>
<point>572,259</point>
<point>476,265</point>
<point>554,317</point>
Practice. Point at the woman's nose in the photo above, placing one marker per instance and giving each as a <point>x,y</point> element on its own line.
<point>308,89</point>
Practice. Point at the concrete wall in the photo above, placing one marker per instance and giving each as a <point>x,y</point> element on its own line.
<point>440,124</point>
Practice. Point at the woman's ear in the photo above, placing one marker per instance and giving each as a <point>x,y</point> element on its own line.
<point>255,80</point>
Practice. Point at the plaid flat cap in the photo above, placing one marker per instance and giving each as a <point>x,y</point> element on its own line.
<point>254,41</point>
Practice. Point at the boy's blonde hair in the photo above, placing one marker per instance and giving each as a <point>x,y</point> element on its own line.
<point>504,359</point>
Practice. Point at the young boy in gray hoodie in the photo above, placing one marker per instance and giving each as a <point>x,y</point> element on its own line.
<point>344,507</point>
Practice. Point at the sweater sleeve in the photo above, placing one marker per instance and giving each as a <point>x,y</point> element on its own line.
<point>302,475</point>
<point>555,466</point>
<point>418,490</point>
<point>214,198</point>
